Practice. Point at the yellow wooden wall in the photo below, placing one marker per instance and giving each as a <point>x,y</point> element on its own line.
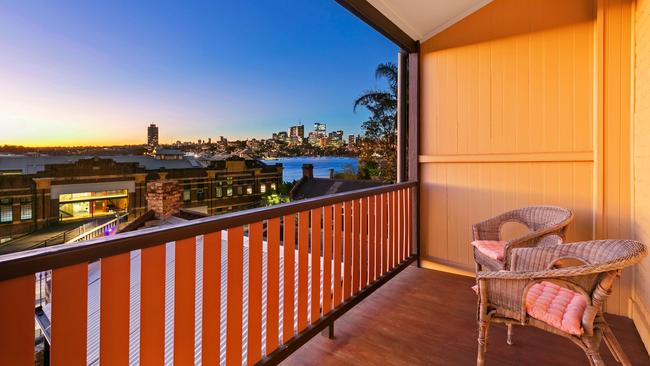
<point>527,102</point>
<point>641,163</point>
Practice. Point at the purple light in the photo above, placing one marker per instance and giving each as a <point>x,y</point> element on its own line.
<point>108,230</point>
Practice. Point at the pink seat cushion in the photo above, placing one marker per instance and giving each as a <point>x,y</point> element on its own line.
<point>556,306</point>
<point>491,248</point>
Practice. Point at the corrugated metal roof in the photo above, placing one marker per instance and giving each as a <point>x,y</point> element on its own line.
<point>94,281</point>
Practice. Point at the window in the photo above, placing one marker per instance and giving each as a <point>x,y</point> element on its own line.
<point>26,209</point>
<point>219,192</point>
<point>273,186</point>
<point>229,181</point>
<point>199,194</point>
<point>263,188</point>
<point>249,190</point>
<point>229,191</point>
<point>6,214</point>
<point>240,190</point>
<point>187,195</point>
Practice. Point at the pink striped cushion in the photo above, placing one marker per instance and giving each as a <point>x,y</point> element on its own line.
<point>490,248</point>
<point>556,306</point>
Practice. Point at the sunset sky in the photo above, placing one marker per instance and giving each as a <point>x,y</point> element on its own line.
<point>97,73</point>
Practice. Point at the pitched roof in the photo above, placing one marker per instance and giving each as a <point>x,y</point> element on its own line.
<point>316,187</point>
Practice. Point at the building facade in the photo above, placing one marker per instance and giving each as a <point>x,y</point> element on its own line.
<point>36,192</point>
<point>152,135</point>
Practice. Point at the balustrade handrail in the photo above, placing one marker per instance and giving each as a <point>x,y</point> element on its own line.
<point>28,262</point>
<point>98,228</point>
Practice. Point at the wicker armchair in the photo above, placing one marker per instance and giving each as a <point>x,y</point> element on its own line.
<point>547,225</point>
<point>586,269</point>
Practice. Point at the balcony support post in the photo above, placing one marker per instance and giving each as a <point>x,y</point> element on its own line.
<point>413,143</point>
<point>402,115</point>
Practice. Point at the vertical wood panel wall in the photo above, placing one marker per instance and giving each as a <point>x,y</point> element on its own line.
<point>527,102</point>
<point>641,159</point>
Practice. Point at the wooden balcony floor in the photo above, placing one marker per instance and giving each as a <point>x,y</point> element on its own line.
<point>425,317</point>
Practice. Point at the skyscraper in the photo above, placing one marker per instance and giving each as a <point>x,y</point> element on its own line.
<point>320,128</point>
<point>296,134</point>
<point>152,135</point>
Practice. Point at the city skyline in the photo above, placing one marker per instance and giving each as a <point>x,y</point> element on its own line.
<point>80,78</point>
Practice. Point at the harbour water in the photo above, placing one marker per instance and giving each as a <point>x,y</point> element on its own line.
<point>292,167</point>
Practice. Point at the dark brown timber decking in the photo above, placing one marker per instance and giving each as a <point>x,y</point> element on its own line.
<point>424,317</point>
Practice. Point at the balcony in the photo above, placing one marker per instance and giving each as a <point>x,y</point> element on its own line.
<point>502,104</point>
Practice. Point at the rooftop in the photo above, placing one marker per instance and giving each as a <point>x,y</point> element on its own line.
<point>32,165</point>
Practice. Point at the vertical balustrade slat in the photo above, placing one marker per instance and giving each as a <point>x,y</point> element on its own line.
<point>405,227</point>
<point>315,263</point>
<point>327,259</point>
<point>381,236</point>
<point>114,310</point>
<point>384,233</point>
<point>347,251</point>
<point>69,315</point>
<point>395,228</point>
<point>17,321</point>
<point>356,244</point>
<point>272,285</point>
<point>410,225</point>
<point>184,297</point>
<point>254,352</point>
<point>364,242</point>
<point>289,273</point>
<point>152,305</point>
<point>400,225</point>
<point>211,314</point>
<point>234,296</point>
<point>372,239</point>
<point>338,251</point>
<point>303,268</point>
<point>389,231</point>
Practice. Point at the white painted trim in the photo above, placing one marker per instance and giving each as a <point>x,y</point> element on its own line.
<point>395,18</point>
<point>455,20</point>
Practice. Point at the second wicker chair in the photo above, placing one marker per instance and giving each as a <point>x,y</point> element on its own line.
<point>547,225</point>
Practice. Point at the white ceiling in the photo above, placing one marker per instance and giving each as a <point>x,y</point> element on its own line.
<point>422,19</point>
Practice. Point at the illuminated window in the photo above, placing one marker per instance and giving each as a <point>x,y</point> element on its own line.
<point>263,188</point>
<point>273,186</point>
<point>229,181</point>
<point>187,195</point>
<point>26,209</point>
<point>249,190</point>
<point>219,192</point>
<point>6,214</point>
<point>229,191</point>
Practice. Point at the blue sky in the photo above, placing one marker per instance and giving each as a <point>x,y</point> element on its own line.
<point>98,72</point>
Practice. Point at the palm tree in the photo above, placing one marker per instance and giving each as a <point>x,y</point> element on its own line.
<point>378,153</point>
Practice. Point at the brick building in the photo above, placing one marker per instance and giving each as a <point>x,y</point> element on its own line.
<point>36,192</point>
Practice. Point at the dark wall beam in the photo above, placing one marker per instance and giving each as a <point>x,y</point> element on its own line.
<point>377,20</point>
<point>402,115</point>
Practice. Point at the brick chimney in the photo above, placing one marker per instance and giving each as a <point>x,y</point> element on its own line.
<point>308,170</point>
<point>164,198</point>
